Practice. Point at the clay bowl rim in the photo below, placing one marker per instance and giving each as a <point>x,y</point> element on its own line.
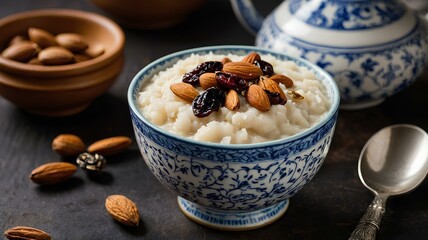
<point>70,69</point>
<point>162,63</point>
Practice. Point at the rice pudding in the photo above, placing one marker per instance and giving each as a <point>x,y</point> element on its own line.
<point>307,101</point>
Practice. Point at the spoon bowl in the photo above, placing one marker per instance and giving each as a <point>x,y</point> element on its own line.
<point>394,161</point>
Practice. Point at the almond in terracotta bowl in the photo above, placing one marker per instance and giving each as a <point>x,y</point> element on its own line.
<point>73,57</point>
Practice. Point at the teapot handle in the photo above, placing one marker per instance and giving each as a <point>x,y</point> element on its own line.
<point>249,17</point>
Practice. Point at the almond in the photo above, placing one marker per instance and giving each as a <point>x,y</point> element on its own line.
<point>207,80</point>
<point>184,91</point>
<point>257,98</point>
<point>94,50</point>
<point>41,37</point>
<point>244,70</point>
<point>251,57</point>
<point>34,61</point>
<point>232,101</point>
<point>81,57</point>
<point>22,232</point>
<point>279,78</point>
<point>110,146</point>
<point>271,86</point>
<point>51,173</point>
<point>72,41</point>
<point>68,145</point>
<point>17,39</point>
<point>122,209</point>
<point>225,60</point>
<point>55,55</point>
<point>21,51</point>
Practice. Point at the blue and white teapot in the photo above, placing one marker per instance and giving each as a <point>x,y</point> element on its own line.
<point>373,48</point>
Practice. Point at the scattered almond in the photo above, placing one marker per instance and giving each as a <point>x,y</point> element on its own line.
<point>53,172</point>
<point>41,37</point>
<point>21,51</point>
<point>244,70</point>
<point>272,86</point>
<point>279,78</point>
<point>26,233</point>
<point>232,101</point>
<point>184,91</point>
<point>251,57</point>
<point>68,145</point>
<point>110,146</point>
<point>257,98</point>
<point>55,55</point>
<point>207,80</point>
<point>123,210</point>
<point>72,41</point>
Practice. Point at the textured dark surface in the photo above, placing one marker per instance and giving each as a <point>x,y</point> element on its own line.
<point>328,208</point>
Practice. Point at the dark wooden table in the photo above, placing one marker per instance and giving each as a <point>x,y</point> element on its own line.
<point>328,208</point>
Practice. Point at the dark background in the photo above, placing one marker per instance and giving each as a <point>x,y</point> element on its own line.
<point>328,208</point>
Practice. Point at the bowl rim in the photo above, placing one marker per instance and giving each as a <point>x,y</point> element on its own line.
<point>69,69</point>
<point>334,108</point>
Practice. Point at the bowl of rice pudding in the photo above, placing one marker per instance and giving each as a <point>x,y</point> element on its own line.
<point>234,131</point>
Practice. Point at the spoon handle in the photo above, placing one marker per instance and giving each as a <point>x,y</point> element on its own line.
<point>369,223</point>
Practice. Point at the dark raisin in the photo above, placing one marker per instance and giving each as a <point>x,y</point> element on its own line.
<point>231,81</point>
<point>207,102</point>
<point>192,77</point>
<point>266,67</point>
<point>275,98</point>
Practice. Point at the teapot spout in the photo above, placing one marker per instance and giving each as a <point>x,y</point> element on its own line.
<point>247,15</point>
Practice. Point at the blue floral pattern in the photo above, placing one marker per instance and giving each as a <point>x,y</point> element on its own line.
<point>367,73</point>
<point>347,15</point>
<point>234,179</point>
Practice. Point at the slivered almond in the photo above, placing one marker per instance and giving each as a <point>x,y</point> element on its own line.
<point>251,57</point>
<point>110,146</point>
<point>279,78</point>
<point>257,97</point>
<point>232,101</point>
<point>272,86</point>
<point>184,91</point>
<point>244,70</point>
<point>207,80</point>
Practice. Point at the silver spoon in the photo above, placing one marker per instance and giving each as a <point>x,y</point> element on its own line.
<point>394,161</point>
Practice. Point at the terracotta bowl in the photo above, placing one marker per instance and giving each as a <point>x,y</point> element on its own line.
<point>148,14</point>
<point>60,90</point>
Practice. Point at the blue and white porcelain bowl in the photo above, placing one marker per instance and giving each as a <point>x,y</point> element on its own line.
<point>232,186</point>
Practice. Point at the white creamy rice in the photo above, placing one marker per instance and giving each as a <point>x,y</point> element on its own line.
<point>246,125</point>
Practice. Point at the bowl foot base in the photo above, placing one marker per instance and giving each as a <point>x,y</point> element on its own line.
<point>229,220</point>
<point>360,105</point>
